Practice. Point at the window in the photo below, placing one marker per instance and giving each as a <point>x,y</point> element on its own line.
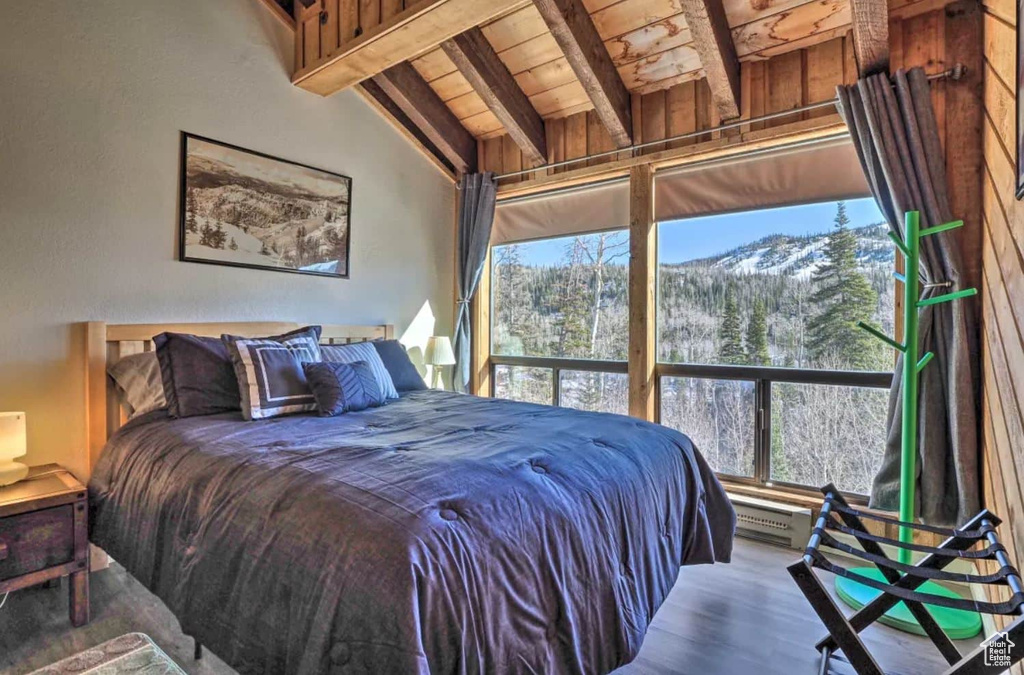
<point>559,311</point>
<point>761,362</point>
<point>564,297</point>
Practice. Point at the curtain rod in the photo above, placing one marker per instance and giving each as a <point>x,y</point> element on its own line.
<point>954,73</point>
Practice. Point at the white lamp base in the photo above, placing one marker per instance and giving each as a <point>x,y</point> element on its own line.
<point>12,472</point>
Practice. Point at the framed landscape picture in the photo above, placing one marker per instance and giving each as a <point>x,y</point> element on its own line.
<point>246,209</point>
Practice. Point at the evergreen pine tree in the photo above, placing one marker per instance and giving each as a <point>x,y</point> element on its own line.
<point>206,236</point>
<point>730,334</point>
<point>844,296</point>
<point>190,211</point>
<point>218,237</point>
<point>233,245</point>
<point>757,337</point>
<point>573,305</point>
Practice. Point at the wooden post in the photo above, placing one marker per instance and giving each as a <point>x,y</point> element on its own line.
<point>480,311</point>
<point>643,261</point>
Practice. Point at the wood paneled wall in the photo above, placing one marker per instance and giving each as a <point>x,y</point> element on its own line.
<point>346,19</point>
<point>775,85</point>
<point>1002,297</point>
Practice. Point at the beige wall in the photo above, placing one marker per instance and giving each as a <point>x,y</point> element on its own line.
<point>93,97</point>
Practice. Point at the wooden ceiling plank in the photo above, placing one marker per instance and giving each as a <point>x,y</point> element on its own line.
<point>650,40</point>
<point>411,93</point>
<point>515,29</point>
<point>871,35</point>
<point>473,55</point>
<point>630,15</point>
<point>406,36</point>
<point>576,35</point>
<point>780,32</point>
<point>713,41</point>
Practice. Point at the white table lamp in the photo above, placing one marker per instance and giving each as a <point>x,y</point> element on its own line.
<point>13,444</point>
<point>438,355</point>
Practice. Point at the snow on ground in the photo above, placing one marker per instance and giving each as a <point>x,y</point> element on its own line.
<point>248,252</point>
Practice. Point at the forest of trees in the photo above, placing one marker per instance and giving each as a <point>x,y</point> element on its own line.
<point>783,301</point>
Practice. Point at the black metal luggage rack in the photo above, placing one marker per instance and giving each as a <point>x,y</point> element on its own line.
<point>903,581</point>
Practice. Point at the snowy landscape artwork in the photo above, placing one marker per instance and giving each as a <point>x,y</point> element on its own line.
<point>245,209</point>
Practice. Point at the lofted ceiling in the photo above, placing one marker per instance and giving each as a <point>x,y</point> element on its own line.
<point>452,72</point>
<point>649,43</point>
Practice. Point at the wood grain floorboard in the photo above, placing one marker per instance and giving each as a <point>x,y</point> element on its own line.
<point>745,617</point>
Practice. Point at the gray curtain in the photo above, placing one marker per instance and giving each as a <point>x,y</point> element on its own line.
<point>477,196</point>
<point>897,141</point>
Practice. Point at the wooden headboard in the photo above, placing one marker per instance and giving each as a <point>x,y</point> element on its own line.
<point>106,343</point>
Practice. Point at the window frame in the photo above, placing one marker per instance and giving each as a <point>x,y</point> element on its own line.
<point>763,377</point>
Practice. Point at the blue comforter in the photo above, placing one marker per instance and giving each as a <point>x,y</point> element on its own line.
<point>439,534</point>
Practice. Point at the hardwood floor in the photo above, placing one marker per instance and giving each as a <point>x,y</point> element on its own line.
<point>746,617</point>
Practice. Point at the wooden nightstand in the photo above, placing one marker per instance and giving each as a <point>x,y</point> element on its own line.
<point>44,535</point>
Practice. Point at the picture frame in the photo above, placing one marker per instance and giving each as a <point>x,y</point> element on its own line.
<point>244,208</point>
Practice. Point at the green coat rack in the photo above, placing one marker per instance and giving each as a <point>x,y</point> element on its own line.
<point>957,624</point>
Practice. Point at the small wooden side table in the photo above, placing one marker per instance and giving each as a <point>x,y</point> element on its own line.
<point>44,535</point>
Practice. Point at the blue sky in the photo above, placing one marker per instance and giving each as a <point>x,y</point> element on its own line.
<point>683,240</point>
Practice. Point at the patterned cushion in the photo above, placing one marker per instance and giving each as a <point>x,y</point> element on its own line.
<point>269,371</point>
<point>343,387</point>
<point>363,351</point>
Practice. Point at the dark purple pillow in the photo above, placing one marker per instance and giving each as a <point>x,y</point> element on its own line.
<point>399,365</point>
<point>197,374</point>
<point>343,387</point>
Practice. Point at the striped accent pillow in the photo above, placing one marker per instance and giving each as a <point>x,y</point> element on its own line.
<point>271,380</point>
<point>343,387</point>
<point>363,351</point>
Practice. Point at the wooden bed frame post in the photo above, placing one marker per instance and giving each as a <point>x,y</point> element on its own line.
<point>95,390</point>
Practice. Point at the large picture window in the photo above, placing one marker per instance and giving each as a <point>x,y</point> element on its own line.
<point>759,360</point>
<point>764,366</point>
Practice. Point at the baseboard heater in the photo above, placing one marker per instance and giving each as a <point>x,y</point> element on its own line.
<point>772,522</point>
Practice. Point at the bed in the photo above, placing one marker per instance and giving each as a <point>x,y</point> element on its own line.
<point>439,534</point>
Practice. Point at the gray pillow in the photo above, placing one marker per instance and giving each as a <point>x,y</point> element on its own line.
<point>140,387</point>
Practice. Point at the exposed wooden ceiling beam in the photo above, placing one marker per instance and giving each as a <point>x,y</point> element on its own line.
<point>411,93</point>
<point>713,42</point>
<point>871,35</point>
<point>422,26</point>
<point>575,33</point>
<point>476,59</point>
<point>375,96</point>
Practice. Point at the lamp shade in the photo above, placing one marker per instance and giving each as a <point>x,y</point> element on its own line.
<point>13,441</point>
<point>439,352</point>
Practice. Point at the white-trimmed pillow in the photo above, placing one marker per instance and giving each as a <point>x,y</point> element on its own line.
<point>363,351</point>
<point>271,381</point>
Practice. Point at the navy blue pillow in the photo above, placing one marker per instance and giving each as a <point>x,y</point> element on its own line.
<point>197,374</point>
<point>396,360</point>
<point>343,387</point>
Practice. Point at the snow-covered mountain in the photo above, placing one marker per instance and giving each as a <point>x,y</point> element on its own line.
<point>800,256</point>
